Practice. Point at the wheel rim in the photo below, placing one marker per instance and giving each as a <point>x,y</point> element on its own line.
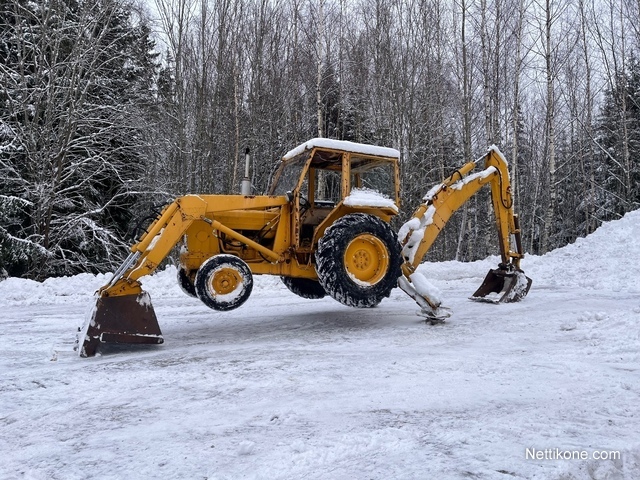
<point>366,259</point>
<point>224,281</point>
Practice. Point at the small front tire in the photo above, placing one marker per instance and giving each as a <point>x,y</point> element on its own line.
<point>186,283</point>
<point>223,282</point>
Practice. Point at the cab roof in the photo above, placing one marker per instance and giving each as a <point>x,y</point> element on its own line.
<point>352,147</point>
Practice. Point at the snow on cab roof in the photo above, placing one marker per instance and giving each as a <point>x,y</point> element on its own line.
<point>353,147</point>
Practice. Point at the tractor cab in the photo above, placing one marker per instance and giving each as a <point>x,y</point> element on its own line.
<point>326,179</point>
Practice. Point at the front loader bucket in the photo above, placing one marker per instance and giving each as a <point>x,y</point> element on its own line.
<point>126,319</point>
<point>503,286</point>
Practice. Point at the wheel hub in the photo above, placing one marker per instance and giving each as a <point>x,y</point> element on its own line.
<point>225,281</point>
<point>366,259</point>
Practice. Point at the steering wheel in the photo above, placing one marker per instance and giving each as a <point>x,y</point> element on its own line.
<point>304,202</point>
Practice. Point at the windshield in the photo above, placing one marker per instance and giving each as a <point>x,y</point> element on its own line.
<point>288,175</point>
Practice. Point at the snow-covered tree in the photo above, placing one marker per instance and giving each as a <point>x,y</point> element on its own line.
<point>75,77</point>
<point>619,141</point>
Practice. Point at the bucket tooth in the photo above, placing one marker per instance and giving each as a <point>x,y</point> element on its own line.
<point>503,286</point>
<point>125,319</point>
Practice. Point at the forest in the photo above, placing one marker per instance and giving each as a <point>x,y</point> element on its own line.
<point>111,108</point>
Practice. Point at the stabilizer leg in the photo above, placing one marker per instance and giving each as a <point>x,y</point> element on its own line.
<point>426,296</point>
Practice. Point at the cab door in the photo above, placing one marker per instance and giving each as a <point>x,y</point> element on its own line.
<point>318,195</point>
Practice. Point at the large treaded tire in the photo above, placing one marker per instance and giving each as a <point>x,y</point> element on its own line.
<point>224,282</point>
<point>358,260</point>
<point>304,287</point>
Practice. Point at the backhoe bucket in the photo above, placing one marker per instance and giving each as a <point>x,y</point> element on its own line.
<point>126,319</point>
<point>503,286</point>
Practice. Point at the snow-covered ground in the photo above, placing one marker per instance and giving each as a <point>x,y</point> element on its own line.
<point>286,388</point>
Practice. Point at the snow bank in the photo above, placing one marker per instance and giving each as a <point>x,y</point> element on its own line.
<point>18,291</point>
<point>82,287</point>
<point>607,259</point>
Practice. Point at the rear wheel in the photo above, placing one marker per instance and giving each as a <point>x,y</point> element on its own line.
<point>358,260</point>
<point>304,287</point>
<point>223,282</point>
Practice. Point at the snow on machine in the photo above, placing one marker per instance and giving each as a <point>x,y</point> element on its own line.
<point>323,228</point>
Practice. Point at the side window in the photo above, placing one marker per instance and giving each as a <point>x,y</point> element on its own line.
<point>377,176</point>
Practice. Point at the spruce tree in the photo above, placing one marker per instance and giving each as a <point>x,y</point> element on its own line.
<point>619,138</point>
<point>77,78</point>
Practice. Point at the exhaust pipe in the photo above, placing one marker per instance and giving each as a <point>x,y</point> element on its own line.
<point>245,188</point>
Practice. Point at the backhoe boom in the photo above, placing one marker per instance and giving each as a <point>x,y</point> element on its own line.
<point>418,234</point>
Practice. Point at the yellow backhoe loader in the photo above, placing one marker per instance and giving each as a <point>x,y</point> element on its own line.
<point>323,228</point>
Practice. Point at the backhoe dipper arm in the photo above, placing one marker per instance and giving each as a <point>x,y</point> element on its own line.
<point>418,234</point>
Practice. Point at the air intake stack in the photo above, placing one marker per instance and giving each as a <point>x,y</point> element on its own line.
<point>245,188</point>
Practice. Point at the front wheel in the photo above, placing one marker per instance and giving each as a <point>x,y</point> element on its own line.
<point>358,260</point>
<point>223,282</point>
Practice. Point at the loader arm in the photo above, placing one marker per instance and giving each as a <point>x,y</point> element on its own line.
<point>154,245</point>
<point>420,232</point>
<point>123,311</point>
